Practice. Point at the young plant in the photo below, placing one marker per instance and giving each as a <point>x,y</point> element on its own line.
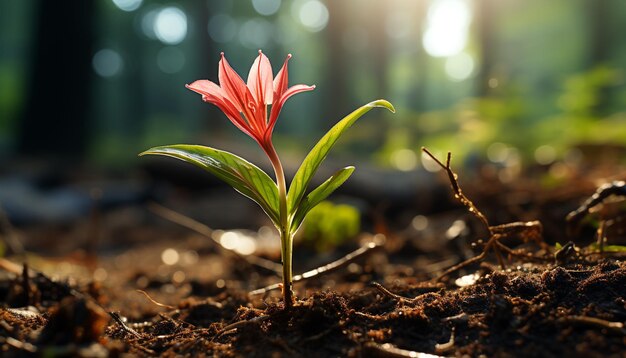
<point>246,105</point>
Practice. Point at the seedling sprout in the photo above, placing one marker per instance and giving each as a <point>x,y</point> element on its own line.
<point>246,106</point>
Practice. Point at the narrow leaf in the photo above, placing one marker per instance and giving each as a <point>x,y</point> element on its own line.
<point>242,175</point>
<point>318,194</point>
<point>320,151</point>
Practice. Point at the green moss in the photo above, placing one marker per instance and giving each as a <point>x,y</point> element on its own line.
<point>329,225</point>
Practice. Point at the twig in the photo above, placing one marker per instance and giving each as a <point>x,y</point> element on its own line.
<point>26,284</point>
<point>461,265</point>
<point>10,266</point>
<point>239,324</point>
<point>148,351</point>
<point>532,228</point>
<point>371,317</point>
<point>444,347</point>
<point>391,351</point>
<point>335,265</point>
<point>322,333</point>
<point>202,229</point>
<point>615,327</point>
<point>522,255</point>
<point>458,194</point>
<point>461,317</point>
<point>393,296</point>
<point>177,322</point>
<point>601,233</point>
<point>25,346</point>
<point>116,317</point>
<point>575,217</point>
<point>155,302</point>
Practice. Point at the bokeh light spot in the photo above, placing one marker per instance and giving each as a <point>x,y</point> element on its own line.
<point>429,164</point>
<point>169,256</point>
<point>128,5</point>
<point>107,63</point>
<point>189,257</point>
<point>178,277</point>
<point>404,159</point>
<point>170,25</point>
<point>266,7</point>
<point>147,23</point>
<point>313,15</point>
<point>467,280</point>
<point>100,274</point>
<point>419,222</point>
<point>222,28</point>
<point>545,154</point>
<point>255,33</point>
<point>170,59</point>
<point>239,242</point>
<point>497,152</point>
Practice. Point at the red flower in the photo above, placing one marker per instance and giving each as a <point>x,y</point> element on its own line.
<point>246,104</point>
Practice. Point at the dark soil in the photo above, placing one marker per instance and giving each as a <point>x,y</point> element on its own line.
<point>526,311</point>
<point>385,303</point>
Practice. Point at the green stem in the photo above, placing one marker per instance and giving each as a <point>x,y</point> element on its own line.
<point>286,240</point>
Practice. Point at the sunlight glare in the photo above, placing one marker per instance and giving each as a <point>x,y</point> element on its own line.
<point>467,280</point>
<point>447,28</point>
<point>239,242</point>
<point>459,67</point>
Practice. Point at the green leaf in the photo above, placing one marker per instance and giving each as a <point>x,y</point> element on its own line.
<point>242,175</point>
<point>320,151</point>
<point>320,193</point>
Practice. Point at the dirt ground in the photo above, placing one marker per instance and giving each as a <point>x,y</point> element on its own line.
<point>150,287</point>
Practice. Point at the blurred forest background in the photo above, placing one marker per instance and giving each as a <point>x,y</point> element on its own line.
<point>507,80</point>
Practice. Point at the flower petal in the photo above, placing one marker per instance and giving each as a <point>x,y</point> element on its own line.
<point>278,105</point>
<point>239,94</point>
<point>214,94</point>
<point>260,80</point>
<point>282,79</point>
<point>207,88</point>
<point>232,84</point>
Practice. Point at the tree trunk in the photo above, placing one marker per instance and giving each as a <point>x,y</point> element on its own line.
<point>483,22</point>
<point>338,100</point>
<point>54,120</point>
